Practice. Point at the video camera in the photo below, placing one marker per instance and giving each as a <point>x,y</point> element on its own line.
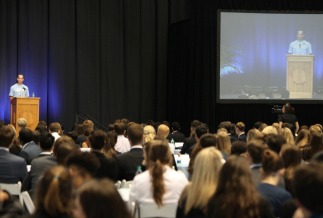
<point>277,109</point>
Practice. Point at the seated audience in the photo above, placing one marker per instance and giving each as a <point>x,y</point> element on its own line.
<point>41,163</point>
<point>176,135</point>
<point>159,183</point>
<point>82,166</point>
<point>123,144</point>
<point>56,130</point>
<point>162,133</point>
<point>206,140</point>
<point>128,162</point>
<point>88,127</point>
<point>28,145</point>
<point>54,195</point>
<point>292,160</point>
<point>255,149</point>
<point>191,140</point>
<point>315,145</point>
<point>108,167</point>
<point>239,148</point>
<point>254,134</point>
<point>224,143</point>
<point>303,137</point>
<point>272,164</point>
<point>99,199</point>
<point>149,133</point>
<point>12,167</point>
<point>236,194</point>
<point>240,131</point>
<point>287,135</point>
<point>308,189</point>
<point>196,195</point>
<point>108,149</point>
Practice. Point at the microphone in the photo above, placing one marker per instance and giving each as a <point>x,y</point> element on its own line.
<point>24,88</point>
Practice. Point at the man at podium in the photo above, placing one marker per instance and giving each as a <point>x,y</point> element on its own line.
<point>300,46</point>
<point>19,89</point>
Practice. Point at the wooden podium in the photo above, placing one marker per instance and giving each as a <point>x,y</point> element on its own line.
<point>27,108</point>
<point>299,76</point>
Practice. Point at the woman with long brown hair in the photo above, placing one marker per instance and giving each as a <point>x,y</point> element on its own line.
<point>236,194</point>
<point>160,183</point>
<point>54,194</point>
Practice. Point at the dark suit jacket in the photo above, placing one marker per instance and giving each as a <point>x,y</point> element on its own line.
<point>108,167</point>
<point>188,144</point>
<point>12,167</point>
<point>33,150</point>
<point>242,137</point>
<point>128,162</point>
<point>38,167</point>
<point>177,136</point>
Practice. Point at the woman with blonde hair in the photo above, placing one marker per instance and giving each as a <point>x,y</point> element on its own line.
<point>224,143</point>
<point>149,133</point>
<point>54,194</point>
<point>160,183</point>
<point>303,138</point>
<point>288,135</point>
<point>197,193</point>
<point>254,134</point>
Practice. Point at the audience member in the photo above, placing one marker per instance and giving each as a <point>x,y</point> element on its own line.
<point>240,131</point>
<point>28,145</point>
<point>12,167</point>
<point>269,130</point>
<point>230,130</point>
<point>99,199</point>
<point>160,183</point>
<point>162,133</point>
<point>303,137</point>
<point>254,134</point>
<point>236,194</point>
<point>239,148</point>
<point>108,167</point>
<point>196,195</point>
<point>54,195</point>
<point>224,143</point>
<point>176,135</point>
<point>128,162</point>
<point>41,163</point>
<point>315,145</point>
<point>287,135</point>
<point>123,144</point>
<point>308,189</point>
<point>275,142</point>
<point>292,160</point>
<point>191,140</point>
<point>56,130</point>
<point>149,133</point>
<point>108,149</point>
<point>63,147</point>
<point>272,164</point>
<point>82,166</point>
<point>88,127</point>
<point>255,148</point>
<point>206,140</point>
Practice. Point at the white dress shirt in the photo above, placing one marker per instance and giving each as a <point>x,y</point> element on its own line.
<point>122,145</point>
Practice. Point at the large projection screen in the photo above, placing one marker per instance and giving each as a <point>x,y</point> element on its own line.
<point>269,57</point>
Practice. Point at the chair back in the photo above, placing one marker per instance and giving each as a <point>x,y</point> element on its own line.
<point>13,189</point>
<point>27,201</point>
<point>148,210</point>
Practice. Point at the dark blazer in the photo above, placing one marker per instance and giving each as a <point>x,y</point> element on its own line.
<point>108,167</point>
<point>38,167</point>
<point>177,136</point>
<point>188,144</point>
<point>128,162</point>
<point>12,167</point>
<point>32,149</point>
<point>242,137</point>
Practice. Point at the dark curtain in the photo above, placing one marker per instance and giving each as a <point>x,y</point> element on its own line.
<point>104,59</point>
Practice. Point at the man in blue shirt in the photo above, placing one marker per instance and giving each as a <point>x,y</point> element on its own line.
<point>300,46</point>
<point>19,89</point>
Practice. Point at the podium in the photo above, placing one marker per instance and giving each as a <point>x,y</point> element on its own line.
<point>27,108</point>
<point>299,76</point>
